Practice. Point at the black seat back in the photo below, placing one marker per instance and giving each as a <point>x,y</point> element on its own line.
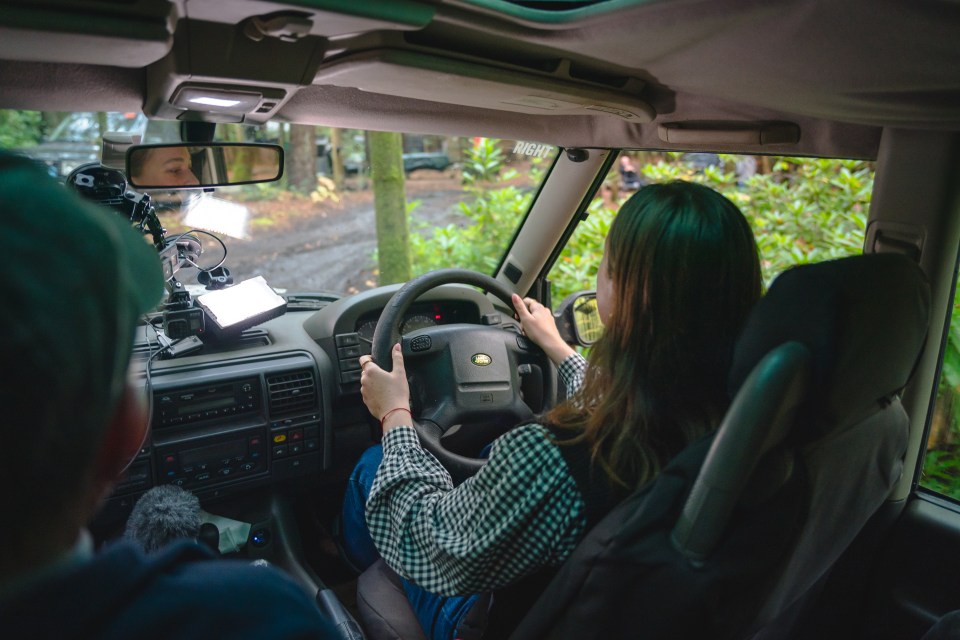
<point>737,529</point>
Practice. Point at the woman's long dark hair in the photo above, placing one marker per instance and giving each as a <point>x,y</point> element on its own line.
<point>685,274</point>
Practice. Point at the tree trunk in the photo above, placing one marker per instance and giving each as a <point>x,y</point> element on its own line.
<point>302,163</point>
<point>336,160</point>
<point>390,205</point>
<point>242,162</point>
<point>102,125</point>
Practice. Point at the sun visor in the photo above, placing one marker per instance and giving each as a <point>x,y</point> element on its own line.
<point>556,92</point>
<point>129,34</point>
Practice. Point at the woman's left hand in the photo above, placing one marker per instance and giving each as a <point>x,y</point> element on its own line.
<point>382,391</point>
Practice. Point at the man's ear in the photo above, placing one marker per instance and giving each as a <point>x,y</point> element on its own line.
<point>125,434</point>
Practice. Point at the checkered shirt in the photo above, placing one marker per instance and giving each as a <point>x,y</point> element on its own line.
<point>520,512</point>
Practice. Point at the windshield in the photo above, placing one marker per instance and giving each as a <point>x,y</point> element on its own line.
<point>87,126</point>
<point>332,224</point>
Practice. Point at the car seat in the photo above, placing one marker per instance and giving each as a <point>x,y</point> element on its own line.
<point>734,536</point>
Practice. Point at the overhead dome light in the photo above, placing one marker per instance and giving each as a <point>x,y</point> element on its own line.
<point>214,102</point>
<point>216,98</point>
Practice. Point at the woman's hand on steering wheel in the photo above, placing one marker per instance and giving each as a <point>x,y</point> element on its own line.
<point>384,391</point>
<point>538,324</point>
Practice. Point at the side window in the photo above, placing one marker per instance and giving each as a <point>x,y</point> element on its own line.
<point>941,465</point>
<point>801,209</point>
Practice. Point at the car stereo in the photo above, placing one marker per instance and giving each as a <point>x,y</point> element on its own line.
<point>194,404</point>
<point>220,430</point>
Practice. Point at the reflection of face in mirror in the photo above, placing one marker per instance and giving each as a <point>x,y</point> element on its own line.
<point>587,319</point>
<point>163,166</point>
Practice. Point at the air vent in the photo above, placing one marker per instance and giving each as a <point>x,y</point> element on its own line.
<point>291,393</point>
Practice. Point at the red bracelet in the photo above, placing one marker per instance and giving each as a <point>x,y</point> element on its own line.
<point>387,414</point>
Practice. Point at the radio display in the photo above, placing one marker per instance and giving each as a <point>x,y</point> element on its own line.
<point>207,404</point>
<point>192,404</point>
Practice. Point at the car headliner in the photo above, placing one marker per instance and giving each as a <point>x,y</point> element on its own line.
<point>840,70</point>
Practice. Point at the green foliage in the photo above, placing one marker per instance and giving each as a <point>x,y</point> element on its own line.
<point>490,216</point>
<point>483,162</point>
<point>20,129</point>
<point>576,268</point>
<point>489,222</point>
<point>803,210</point>
<point>941,466</point>
<point>259,192</point>
<point>941,471</point>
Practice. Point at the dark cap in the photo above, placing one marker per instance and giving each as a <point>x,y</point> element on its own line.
<point>76,278</point>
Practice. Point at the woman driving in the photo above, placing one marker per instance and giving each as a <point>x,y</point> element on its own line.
<point>679,275</point>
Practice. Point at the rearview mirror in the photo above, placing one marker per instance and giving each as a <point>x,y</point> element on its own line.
<point>212,164</point>
<point>578,319</point>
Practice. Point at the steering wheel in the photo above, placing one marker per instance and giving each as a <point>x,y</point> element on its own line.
<point>469,383</point>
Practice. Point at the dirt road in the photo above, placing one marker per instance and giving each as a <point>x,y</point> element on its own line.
<point>331,247</point>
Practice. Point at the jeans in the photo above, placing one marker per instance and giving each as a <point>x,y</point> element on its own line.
<point>438,615</point>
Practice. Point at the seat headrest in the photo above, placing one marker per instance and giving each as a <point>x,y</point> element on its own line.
<point>864,320</point>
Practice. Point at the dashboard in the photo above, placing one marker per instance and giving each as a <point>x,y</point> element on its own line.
<point>420,316</point>
<point>260,410</point>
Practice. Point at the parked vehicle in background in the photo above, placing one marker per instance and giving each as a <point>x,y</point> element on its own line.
<point>77,139</point>
<point>436,161</point>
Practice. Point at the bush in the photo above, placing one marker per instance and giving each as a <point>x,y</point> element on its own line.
<point>483,162</point>
<point>20,129</point>
<point>489,221</point>
<point>803,210</point>
<point>490,215</point>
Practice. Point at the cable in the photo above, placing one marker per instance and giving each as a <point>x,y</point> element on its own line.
<point>153,355</point>
<point>147,388</point>
<point>189,234</point>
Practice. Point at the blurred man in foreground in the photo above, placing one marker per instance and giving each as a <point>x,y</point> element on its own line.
<point>76,280</point>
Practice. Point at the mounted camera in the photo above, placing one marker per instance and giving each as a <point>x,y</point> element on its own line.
<point>186,166</point>
<point>108,187</point>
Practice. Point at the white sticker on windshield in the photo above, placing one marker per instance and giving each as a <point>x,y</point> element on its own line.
<point>532,149</point>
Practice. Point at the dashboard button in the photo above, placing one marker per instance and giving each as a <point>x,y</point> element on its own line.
<point>347,339</point>
<point>349,352</point>
<point>421,343</point>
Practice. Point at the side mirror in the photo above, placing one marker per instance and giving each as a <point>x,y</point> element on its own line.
<point>578,319</point>
<point>193,166</point>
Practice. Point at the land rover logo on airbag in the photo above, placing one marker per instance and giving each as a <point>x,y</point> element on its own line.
<point>481,359</point>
